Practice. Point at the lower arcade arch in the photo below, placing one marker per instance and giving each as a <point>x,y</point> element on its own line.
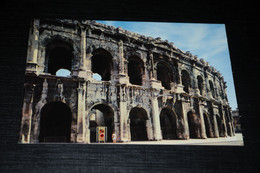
<point>138,117</point>
<point>194,125</point>
<point>168,124</point>
<point>208,126</point>
<point>55,123</point>
<point>101,115</point>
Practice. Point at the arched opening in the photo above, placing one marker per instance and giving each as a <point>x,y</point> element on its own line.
<point>165,75</point>
<point>55,123</point>
<point>168,124</point>
<point>209,132</point>
<point>200,84</point>
<point>212,89</point>
<point>102,115</point>
<point>102,63</point>
<point>59,55</point>
<point>138,117</point>
<point>185,79</point>
<point>135,70</point>
<point>194,125</point>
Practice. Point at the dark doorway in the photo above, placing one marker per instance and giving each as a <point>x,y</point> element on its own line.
<point>102,63</point>
<point>194,125</point>
<point>168,124</point>
<point>138,117</point>
<point>104,116</point>
<point>208,126</point>
<point>55,124</point>
<point>135,70</point>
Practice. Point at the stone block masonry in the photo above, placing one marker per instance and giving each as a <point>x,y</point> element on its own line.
<point>149,89</point>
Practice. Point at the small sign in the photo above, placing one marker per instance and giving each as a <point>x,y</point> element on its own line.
<point>101,133</point>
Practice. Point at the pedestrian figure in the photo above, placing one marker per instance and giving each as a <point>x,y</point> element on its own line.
<point>114,137</point>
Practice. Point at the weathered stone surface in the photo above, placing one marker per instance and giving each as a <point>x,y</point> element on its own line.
<point>150,89</point>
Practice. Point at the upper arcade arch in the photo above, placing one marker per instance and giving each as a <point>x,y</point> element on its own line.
<point>186,80</point>
<point>102,63</point>
<point>59,55</point>
<point>135,70</point>
<point>164,74</point>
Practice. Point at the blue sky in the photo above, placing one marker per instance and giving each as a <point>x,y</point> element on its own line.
<point>207,41</point>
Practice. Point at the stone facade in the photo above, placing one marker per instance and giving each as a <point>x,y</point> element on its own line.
<point>236,120</point>
<point>150,89</point>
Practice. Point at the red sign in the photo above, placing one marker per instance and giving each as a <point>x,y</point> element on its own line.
<point>101,133</point>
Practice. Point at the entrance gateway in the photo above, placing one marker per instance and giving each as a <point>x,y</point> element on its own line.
<point>55,123</point>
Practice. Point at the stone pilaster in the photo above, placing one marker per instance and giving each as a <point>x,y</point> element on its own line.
<point>121,57</point>
<point>41,59</point>
<point>82,63</point>
<point>123,122</point>
<point>202,122</point>
<point>31,65</point>
<point>152,71</point>
<point>81,112</point>
<point>122,76</point>
<point>231,122</point>
<point>149,129</point>
<point>122,132</point>
<point>224,122</point>
<point>89,50</point>
<point>26,121</point>
<point>186,132</point>
<point>35,132</point>
<point>216,132</point>
<point>156,119</point>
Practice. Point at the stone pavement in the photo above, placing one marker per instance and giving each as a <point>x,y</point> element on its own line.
<point>236,140</point>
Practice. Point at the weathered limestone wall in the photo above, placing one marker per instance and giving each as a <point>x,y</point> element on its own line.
<point>144,81</point>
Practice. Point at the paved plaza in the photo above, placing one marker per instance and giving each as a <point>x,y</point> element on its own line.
<point>236,140</point>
